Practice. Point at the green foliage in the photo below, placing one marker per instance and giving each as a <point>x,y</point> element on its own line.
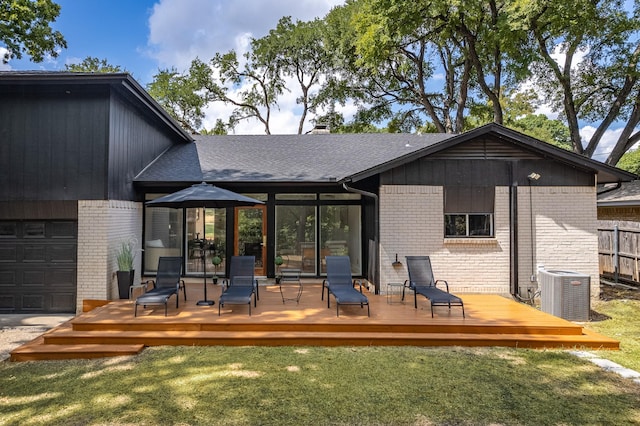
<point>125,257</point>
<point>179,94</point>
<point>541,127</point>
<point>630,161</point>
<point>91,64</point>
<point>25,28</point>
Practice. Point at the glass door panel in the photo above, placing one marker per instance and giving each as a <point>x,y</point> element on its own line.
<point>251,234</point>
<point>296,237</point>
<point>340,235</point>
<point>206,235</point>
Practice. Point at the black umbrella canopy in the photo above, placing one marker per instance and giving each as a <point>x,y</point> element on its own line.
<point>203,195</point>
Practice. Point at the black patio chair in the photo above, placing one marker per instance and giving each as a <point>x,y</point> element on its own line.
<point>241,284</point>
<point>340,283</point>
<point>166,284</point>
<point>422,281</point>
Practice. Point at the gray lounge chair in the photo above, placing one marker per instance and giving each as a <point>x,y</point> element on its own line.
<point>340,283</point>
<point>241,284</point>
<point>421,281</point>
<point>166,284</point>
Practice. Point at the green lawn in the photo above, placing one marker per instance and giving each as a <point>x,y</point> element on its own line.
<point>624,325</point>
<point>318,386</point>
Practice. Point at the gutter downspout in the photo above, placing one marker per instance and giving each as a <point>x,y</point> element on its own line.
<point>376,227</point>
<point>513,239</point>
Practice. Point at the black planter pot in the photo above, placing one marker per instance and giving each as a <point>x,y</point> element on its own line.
<point>125,281</point>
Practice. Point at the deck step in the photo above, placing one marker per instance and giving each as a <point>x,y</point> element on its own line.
<point>37,350</point>
<point>277,338</point>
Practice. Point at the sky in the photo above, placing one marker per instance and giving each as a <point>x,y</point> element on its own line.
<point>144,36</point>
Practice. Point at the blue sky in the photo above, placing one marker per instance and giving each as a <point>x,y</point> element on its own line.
<point>145,35</point>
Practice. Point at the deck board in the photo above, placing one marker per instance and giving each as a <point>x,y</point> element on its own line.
<point>491,320</point>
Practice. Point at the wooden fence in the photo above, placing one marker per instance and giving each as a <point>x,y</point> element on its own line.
<point>619,250</point>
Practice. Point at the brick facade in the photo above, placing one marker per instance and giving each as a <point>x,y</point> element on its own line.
<point>412,223</point>
<point>102,227</point>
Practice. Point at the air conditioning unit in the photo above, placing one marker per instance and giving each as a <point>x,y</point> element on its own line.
<point>565,294</point>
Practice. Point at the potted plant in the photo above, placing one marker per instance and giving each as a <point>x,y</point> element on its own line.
<point>278,260</point>
<point>125,271</point>
<point>216,260</point>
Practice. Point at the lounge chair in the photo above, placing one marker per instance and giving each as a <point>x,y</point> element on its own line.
<point>166,284</point>
<point>421,281</point>
<point>241,284</point>
<point>340,283</point>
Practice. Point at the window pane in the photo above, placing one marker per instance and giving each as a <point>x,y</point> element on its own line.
<point>296,237</point>
<point>480,225</point>
<point>162,234</point>
<point>455,225</point>
<point>340,196</point>
<point>295,196</point>
<point>206,235</point>
<point>340,235</point>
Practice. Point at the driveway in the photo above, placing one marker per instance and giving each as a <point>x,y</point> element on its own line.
<point>18,329</point>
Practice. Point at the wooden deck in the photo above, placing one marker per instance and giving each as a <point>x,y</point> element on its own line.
<point>112,330</point>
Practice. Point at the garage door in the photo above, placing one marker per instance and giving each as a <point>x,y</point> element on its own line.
<point>38,266</point>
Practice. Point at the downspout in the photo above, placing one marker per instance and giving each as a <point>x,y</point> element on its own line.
<point>376,225</point>
<point>513,238</point>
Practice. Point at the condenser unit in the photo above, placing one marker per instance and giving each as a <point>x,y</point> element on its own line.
<point>565,294</point>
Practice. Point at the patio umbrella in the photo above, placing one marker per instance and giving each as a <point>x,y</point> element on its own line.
<point>205,196</point>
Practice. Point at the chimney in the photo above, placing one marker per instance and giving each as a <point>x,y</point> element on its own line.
<point>320,129</point>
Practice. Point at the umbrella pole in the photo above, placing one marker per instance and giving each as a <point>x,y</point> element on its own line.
<point>204,302</point>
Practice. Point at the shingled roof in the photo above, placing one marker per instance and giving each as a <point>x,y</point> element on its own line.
<point>314,158</point>
<point>324,158</point>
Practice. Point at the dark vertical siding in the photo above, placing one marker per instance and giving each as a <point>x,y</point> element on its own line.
<point>489,172</point>
<point>53,144</point>
<point>135,140</point>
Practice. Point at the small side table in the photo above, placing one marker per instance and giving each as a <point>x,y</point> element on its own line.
<point>290,278</point>
<point>144,286</point>
<point>394,290</point>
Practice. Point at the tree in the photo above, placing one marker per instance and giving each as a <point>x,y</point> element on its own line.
<point>180,95</point>
<point>603,85</point>
<point>25,28</point>
<point>297,50</point>
<point>95,65</point>
<point>252,88</point>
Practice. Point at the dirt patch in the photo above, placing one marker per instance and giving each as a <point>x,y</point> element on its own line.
<point>610,292</point>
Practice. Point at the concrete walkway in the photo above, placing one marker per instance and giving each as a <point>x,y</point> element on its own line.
<point>18,329</point>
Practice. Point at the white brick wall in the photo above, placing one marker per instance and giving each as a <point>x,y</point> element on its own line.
<point>566,234</point>
<point>102,227</point>
<point>412,223</point>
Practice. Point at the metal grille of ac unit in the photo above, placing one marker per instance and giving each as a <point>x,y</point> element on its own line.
<point>565,294</point>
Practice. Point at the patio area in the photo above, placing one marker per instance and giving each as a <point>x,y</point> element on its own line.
<point>110,328</point>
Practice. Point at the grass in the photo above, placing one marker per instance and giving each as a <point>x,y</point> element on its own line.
<point>623,325</point>
<point>320,386</point>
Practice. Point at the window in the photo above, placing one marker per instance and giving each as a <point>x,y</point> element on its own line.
<point>340,235</point>
<point>162,234</point>
<point>296,237</point>
<point>468,212</point>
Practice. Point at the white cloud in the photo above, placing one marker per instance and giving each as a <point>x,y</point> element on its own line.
<point>607,143</point>
<point>3,66</point>
<point>180,30</point>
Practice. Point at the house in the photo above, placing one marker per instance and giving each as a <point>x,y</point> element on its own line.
<point>81,153</point>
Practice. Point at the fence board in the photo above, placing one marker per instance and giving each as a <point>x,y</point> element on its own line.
<point>621,261</point>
